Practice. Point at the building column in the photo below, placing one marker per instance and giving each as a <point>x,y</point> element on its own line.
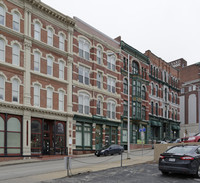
<point>119,135</point>
<point>104,135</point>
<point>27,133</point>
<point>93,135</point>
<point>70,135</point>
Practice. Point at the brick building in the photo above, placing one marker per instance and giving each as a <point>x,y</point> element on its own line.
<point>64,86</point>
<point>189,96</point>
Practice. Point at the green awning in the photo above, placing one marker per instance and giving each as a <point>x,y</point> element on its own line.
<point>155,123</point>
<point>175,127</point>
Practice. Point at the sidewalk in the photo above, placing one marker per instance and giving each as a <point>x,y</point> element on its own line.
<point>90,168</point>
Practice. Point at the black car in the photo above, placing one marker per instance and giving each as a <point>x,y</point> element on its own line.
<point>112,149</point>
<point>181,159</point>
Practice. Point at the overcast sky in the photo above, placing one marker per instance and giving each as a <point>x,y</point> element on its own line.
<point>169,28</point>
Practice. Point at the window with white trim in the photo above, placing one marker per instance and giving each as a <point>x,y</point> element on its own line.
<point>84,75</point>
<point>15,54</point>
<point>37,31</point>
<point>99,80</point>
<point>99,55</point>
<point>36,61</point>
<point>2,50</point>
<point>99,106</point>
<point>61,100</point>
<point>61,42</point>
<point>16,22</point>
<point>49,98</point>
<point>2,15</point>
<point>2,88</point>
<point>84,49</point>
<point>15,90</point>
<point>125,86</point>
<point>111,61</point>
<point>50,36</point>
<point>61,69</point>
<point>111,109</point>
<point>111,84</point>
<point>36,95</point>
<point>49,65</point>
<point>83,103</point>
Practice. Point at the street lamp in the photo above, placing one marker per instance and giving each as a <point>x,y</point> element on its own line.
<point>128,145</point>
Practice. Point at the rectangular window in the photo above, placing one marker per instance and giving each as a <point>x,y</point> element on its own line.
<point>49,66</point>
<point>78,135</point>
<point>50,37</point>
<point>2,50</point>
<point>16,22</point>
<point>111,61</point>
<point>61,42</point>
<point>37,29</point>
<point>87,135</point>
<point>15,91</point>
<point>61,100</point>
<point>36,95</point>
<point>99,55</point>
<point>99,80</point>
<point>2,15</point>
<point>111,84</point>
<point>84,49</point>
<point>84,103</point>
<point>2,88</point>
<point>125,108</point>
<point>84,75</point>
<point>36,61</point>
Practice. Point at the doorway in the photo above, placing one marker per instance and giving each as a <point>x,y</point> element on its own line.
<point>98,137</point>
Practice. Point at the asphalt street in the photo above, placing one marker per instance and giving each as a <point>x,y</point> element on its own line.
<point>142,173</point>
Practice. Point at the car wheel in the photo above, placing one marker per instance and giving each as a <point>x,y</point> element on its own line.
<point>106,153</point>
<point>199,140</point>
<point>98,155</point>
<point>197,175</point>
<point>165,173</point>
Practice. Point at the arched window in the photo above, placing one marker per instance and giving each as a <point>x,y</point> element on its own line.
<point>157,73</point>
<point>13,136</point>
<point>49,98</point>
<point>61,69</point>
<point>111,61</point>
<point>15,90</point>
<point>99,55</point>
<point>61,100</point>
<point>37,31</point>
<point>36,95</point>
<point>152,108</point>
<point>15,54</point>
<point>49,65</point>
<point>2,15</point>
<point>125,86</point>
<point>61,42</point>
<point>172,97</point>
<point>50,36</point>
<point>156,90</point>
<point>99,106</point>
<point>2,49</point>
<point>84,103</point>
<point>2,88</point>
<point>135,68</point>
<point>2,135</point>
<point>166,94</point>
<point>16,22</point>
<point>143,93</point>
<point>156,109</point>
<point>36,61</point>
<point>111,109</point>
<point>84,49</point>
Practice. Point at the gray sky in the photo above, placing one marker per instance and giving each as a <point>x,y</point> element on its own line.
<point>169,28</point>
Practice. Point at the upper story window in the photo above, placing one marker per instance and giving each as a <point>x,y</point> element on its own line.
<point>111,61</point>
<point>152,88</point>
<point>36,95</point>
<point>61,100</point>
<point>50,36</point>
<point>172,113</point>
<point>156,109</point>
<point>49,98</point>
<point>49,66</point>
<point>143,112</point>
<point>99,80</point>
<point>136,88</point>
<point>176,99</point>
<point>99,106</point>
<point>2,88</point>
<point>111,84</point>
<point>135,68</point>
<point>125,63</point>
<point>2,49</point>
<point>99,55</point>
<point>156,72</point>
<point>111,109</point>
<point>152,108</point>
<point>172,97</point>
<point>16,22</point>
<point>15,90</point>
<point>84,75</point>
<point>84,103</point>
<point>15,54</point>
<point>84,49</point>
<point>166,94</point>
<point>37,31</point>
<point>61,69</point>
<point>143,93</point>
<point>2,15</point>
<point>156,90</point>
<point>36,61</point>
<point>125,113</point>
<point>61,42</point>
<point>125,86</point>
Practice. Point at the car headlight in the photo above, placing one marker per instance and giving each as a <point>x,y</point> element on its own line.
<point>191,138</point>
<point>102,151</point>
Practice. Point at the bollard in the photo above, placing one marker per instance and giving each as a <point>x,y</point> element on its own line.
<point>67,161</point>
<point>121,158</point>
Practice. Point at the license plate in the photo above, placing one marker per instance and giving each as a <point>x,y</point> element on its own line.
<point>172,159</point>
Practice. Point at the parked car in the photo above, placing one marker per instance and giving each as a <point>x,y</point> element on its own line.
<point>195,138</point>
<point>181,159</point>
<point>175,141</point>
<point>112,149</point>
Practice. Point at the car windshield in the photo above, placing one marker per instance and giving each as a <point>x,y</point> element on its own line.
<point>180,149</point>
<point>198,134</point>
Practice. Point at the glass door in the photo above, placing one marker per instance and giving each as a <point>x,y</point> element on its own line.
<point>98,137</point>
